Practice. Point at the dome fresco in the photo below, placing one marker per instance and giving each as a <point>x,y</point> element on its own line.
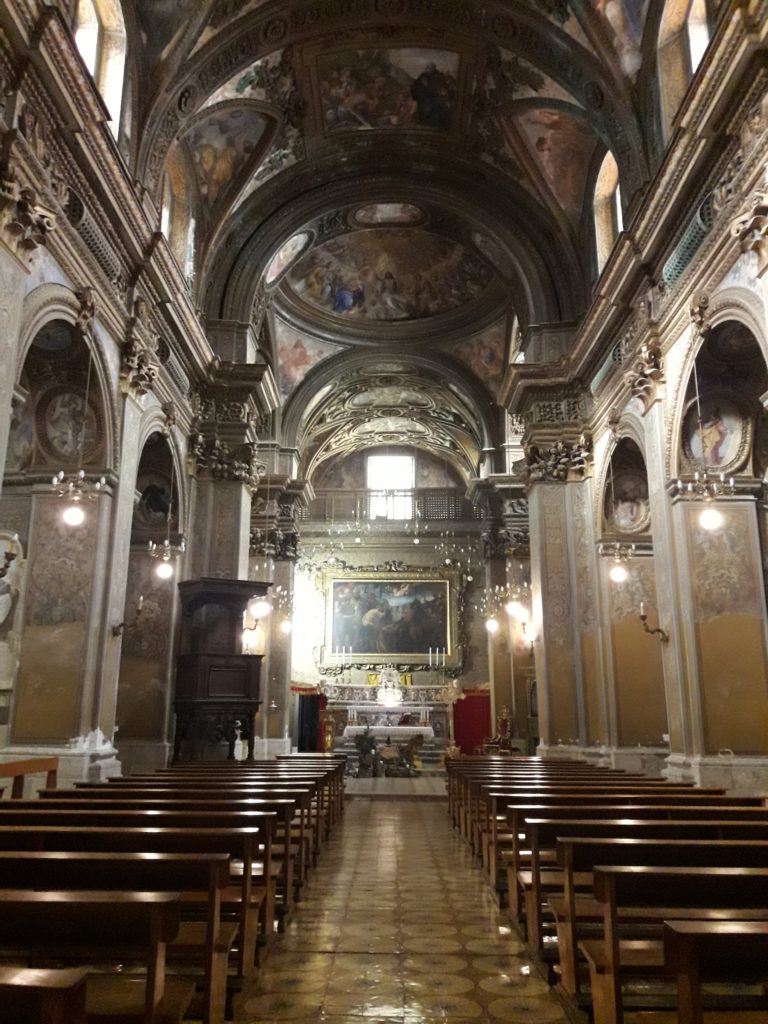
<point>392,274</point>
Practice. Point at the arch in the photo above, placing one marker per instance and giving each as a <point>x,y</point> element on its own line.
<point>100,36</point>
<point>155,421</point>
<point>623,484</point>
<point>50,302</point>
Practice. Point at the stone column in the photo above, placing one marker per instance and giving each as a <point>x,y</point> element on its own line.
<point>227,472</point>
<point>552,475</point>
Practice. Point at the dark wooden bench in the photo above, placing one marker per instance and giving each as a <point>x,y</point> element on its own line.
<point>96,928</point>
<point>576,912</point>
<point>696,951</point>
<point>205,940</point>
<point>522,858</point>
<point>250,898</point>
<point>53,995</point>
<point>660,893</point>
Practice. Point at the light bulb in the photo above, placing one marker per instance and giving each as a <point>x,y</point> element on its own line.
<point>259,607</point>
<point>516,610</point>
<point>711,519</point>
<point>415,540</point>
<point>618,573</point>
<point>164,570</point>
<point>286,626</point>
<point>492,625</point>
<point>73,515</point>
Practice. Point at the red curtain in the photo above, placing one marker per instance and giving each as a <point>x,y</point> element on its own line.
<point>472,721</point>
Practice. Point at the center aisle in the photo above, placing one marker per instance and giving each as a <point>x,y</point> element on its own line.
<point>397,924</point>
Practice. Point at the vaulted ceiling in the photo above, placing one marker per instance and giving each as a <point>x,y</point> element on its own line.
<point>399,183</point>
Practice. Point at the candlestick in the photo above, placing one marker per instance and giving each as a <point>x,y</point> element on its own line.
<point>430,657</point>
<point>140,603</point>
<point>642,609</point>
<point>443,657</point>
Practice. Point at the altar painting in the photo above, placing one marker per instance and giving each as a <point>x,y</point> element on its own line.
<point>391,616</point>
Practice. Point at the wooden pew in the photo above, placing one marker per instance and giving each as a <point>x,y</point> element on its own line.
<point>79,926</point>
<point>188,814</point>
<point>517,863</point>
<point>713,950</point>
<point>671,892</point>
<point>19,770</point>
<point>242,900</point>
<point>240,797</point>
<point>203,879</point>
<point>45,995</point>
<point>577,912</point>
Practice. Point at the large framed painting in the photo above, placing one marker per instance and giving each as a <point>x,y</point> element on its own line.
<point>381,616</point>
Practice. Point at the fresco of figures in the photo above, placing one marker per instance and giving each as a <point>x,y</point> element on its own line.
<point>402,88</point>
<point>297,354</point>
<point>221,145</point>
<point>389,274</point>
<point>484,354</point>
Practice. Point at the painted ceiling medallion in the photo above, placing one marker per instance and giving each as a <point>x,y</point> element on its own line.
<point>389,274</point>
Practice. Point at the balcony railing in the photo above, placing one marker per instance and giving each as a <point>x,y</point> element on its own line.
<point>429,503</point>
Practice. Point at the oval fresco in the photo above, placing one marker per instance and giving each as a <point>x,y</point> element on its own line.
<point>389,274</point>
<point>285,255</point>
<point>389,213</point>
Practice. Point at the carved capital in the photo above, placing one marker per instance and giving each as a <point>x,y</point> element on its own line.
<point>24,222</point>
<point>751,229</point>
<point>562,461</point>
<point>223,461</point>
<point>700,313</point>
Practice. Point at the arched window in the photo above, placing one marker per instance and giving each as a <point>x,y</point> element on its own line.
<point>166,214</point>
<point>683,40</point>
<point>607,209</point>
<point>100,38</point>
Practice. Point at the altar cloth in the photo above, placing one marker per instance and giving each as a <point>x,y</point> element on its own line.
<point>395,732</point>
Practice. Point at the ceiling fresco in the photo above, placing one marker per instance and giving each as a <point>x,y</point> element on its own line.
<point>398,88</point>
<point>388,274</point>
<point>402,182</point>
<point>484,353</point>
<point>221,145</point>
<point>297,354</point>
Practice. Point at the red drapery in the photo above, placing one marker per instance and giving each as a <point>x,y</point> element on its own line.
<point>472,721</point>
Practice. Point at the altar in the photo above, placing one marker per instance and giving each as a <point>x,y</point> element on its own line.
<point>393,732</point>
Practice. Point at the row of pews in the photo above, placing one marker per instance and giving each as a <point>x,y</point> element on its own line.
<point>622,883</point>
<point>155,896</point>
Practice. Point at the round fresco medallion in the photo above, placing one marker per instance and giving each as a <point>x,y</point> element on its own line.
<point>388,275</point>
<point>60,425</point>
<point>720,437</point>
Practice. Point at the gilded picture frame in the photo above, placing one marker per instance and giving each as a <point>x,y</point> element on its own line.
<point>381,617</point>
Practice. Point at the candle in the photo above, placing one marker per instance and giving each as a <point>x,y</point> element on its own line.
<point>443,657</point>
<point>430,657</point>
<point>642,609</point>
<point>140,603</point>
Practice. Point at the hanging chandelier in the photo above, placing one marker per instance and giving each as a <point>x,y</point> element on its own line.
<point>165,551</point>
<point>75,488</point>
<point>705,486</point>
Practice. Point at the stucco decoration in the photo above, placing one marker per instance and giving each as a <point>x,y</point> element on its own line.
<point>388,213</point>
<point>389,274</point>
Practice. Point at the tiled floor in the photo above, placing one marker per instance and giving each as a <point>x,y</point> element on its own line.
<point>398,925</point>
<point>430,786</point>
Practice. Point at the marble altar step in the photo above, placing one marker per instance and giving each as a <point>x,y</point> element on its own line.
<point>431,755</point>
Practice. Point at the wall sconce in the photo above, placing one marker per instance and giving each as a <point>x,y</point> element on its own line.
<point>659,632</point>
<point>529,636</point>
<point>119,629</point>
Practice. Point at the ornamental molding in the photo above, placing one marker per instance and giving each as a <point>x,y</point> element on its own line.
<point>25,221</point>
<point>646,374</point>
<point>750,229</point>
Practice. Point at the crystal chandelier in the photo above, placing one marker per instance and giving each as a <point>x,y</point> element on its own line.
<point>388,692</point>
<point>75,489</point>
